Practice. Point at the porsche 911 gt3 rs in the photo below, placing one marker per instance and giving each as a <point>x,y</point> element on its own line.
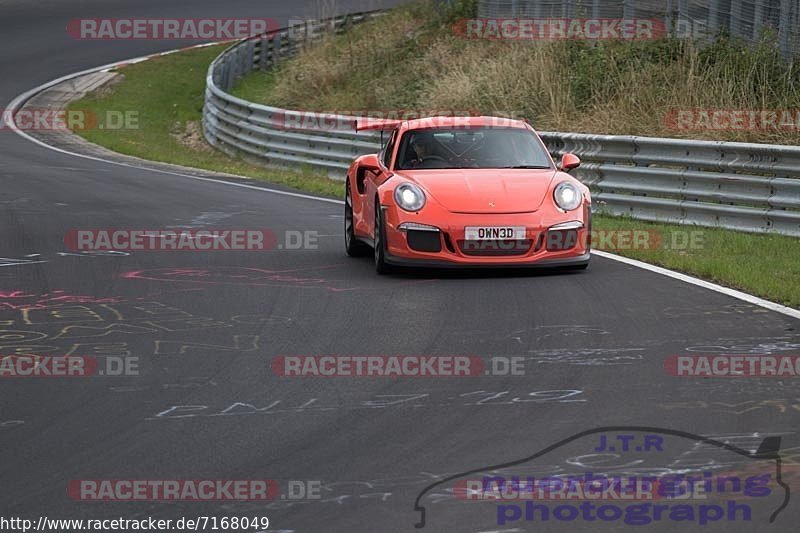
<point>465,191</point>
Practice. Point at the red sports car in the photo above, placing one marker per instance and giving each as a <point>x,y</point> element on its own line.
<point>465,191</point>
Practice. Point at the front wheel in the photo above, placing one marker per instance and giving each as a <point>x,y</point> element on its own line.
<point>353,246</point>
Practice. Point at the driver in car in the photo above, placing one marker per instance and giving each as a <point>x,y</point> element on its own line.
<point>423,148</point>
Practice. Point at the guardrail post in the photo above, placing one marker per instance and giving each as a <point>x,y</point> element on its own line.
<point>736,16</point>
<point>537,9</point>
<point>713,18</point>
<point>628,9</point>
<point>226,77</point>
<point>758,19</point>
<point>596,9</point>
<point>567,9</point>
<point>251,56</point>
<point>784,27</point>
<point>684,21</point>
<point>669,19</point>
<point>263,62</point>
<point>245,59</point>
<point>275,56</point>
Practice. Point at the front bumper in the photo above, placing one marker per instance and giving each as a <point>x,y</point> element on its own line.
<point>577,261</point>
<point>448,246</point>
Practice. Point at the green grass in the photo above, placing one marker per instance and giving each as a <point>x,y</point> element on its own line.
<point>256,86</point>
<point>168,94</point>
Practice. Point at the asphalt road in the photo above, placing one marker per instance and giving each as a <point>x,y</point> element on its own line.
<point>204,327</point>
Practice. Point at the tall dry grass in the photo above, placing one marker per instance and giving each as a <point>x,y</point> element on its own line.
<point>411,59</point>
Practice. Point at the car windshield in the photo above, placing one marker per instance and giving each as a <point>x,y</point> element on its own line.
<point>478,147</point>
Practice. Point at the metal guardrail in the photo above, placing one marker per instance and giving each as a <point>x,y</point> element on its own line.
<point>259,132</point>
<point>743,186</point>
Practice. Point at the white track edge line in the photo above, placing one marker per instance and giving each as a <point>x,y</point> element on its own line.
<point>739,295</point>
<point>12,107</point>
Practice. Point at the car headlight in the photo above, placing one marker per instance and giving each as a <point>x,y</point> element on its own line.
<point>567,196</point>
<point>409,197</point>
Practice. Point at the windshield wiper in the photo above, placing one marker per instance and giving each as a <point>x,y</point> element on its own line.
<point>538,167</point>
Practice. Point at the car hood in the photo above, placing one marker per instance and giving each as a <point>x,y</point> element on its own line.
<point>484,190</point>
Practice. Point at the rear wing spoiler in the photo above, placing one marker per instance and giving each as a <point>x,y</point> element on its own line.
<point>363,124</point>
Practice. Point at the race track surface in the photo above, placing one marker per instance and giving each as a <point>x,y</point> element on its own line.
<point>205,326</point>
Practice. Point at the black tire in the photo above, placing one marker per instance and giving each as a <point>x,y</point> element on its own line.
<point>381,266</point>
<point>353,246</point>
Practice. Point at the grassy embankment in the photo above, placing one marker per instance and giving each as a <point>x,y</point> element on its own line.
<point>167,95</point>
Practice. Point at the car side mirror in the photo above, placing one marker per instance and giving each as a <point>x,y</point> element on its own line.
<point>370,163</point>
<point>570,161</point>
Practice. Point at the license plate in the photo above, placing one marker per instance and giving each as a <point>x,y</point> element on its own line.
<point>494,233</point>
